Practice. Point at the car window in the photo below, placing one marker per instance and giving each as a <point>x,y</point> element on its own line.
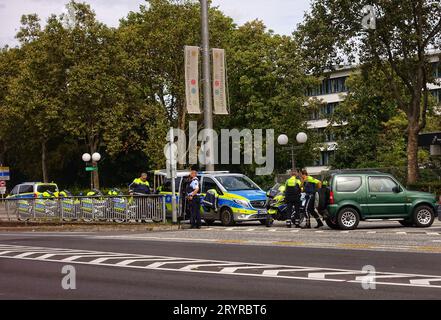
<point>381,184</point>
<point>208,184</point>
<point>46,187</point>
<point>15,190</point>
<point>26,188</point>
<point>347,184</point>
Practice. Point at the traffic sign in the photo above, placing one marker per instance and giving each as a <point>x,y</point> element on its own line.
<point>91,168</point>
<point>4,173</point>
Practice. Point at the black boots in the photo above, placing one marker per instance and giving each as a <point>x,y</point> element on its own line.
<point>319,224</point>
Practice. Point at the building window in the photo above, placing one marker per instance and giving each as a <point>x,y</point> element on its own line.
<point>437,95</point>
<point>436,67</point>
<point>328,86</point>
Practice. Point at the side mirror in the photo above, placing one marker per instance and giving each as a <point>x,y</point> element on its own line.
<point>396,189</point>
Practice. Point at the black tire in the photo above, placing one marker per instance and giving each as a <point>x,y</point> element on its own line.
<point>332,223</point>
<point>209,222</point>
<point>423,216</point>
<point>348,218</point>
<point>407,223</point>
<point>227,218</point>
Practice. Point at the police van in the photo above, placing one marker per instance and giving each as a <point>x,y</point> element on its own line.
<point>32,190</point>
<point>226,197</point>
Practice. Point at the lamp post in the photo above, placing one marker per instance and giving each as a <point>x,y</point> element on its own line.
<point>94,158</point>
<point>301,139</point>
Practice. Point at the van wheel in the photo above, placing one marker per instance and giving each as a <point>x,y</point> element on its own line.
<point>227,218</point>
<point>423,216</point>
<point>332,223</point>
<point>348,219</point>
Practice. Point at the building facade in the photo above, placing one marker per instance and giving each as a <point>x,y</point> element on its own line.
<point>330,94</point>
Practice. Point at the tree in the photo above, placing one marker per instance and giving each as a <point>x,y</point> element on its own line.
<point>154,40</point>
<point>38,93</point>
<point>267,85</point>
<point>405,31</point>
<point>360,124</point>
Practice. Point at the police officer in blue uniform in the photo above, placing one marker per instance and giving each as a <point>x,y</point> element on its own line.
<point>193,200</point>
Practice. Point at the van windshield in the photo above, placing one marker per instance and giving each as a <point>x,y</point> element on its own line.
<point>237,183</point>
<point>46,187</point>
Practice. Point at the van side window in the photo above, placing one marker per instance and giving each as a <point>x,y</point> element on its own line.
<point>347,184</point>
<point>381,184</point>
<point>166,187</point>
<point>26,188</point>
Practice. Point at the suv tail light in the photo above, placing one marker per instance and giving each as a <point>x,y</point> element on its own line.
<point>331,197</point>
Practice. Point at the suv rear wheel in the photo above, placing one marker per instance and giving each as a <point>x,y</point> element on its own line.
<point>423,216</point>
<point>348,219</point>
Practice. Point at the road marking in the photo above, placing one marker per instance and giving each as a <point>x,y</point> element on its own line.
<point>424,282</point>
<point>229,267</point>
<point>322,275</point>
<point>432,233</point>
<point>400,232</point>
<point>275,272</point>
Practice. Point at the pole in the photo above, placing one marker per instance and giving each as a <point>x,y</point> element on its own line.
<point>206,82</point>
<point>293,160</point>
<point>172,171</point>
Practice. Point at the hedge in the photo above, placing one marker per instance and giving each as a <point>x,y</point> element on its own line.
<point>432,187</point>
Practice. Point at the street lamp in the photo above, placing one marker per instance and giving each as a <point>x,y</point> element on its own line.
<point>94,158</point>
<point>301,139</point>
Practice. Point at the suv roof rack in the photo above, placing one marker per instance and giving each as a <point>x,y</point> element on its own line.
<point>355,171</point>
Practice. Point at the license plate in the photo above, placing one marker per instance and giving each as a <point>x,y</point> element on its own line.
<point>262,212</point>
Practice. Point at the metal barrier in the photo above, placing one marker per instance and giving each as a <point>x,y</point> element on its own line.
<point>94,208</point>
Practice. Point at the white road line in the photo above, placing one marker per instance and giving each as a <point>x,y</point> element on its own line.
<point>272,230</point>
<point>424,282</point>
<point>400,232</point>
<point>267,270</point>
<point>371,232</point>
<point>386,276</point>
<point>160,264</point>
<point>195,266</point>
<point>102,259</point>
<point>233,269</point>
<point>275,272</point>
<point>322,275</point>
<point>131,260</point>
<point>432,233</point>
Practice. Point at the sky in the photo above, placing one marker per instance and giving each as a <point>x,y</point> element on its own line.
<point>279,15</point>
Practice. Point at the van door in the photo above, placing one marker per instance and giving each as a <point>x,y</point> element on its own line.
<point>209,211</point>
<point>386,198</point>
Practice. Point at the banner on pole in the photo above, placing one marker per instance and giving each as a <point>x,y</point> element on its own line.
<point>219,82</point>
<point>192,79</point>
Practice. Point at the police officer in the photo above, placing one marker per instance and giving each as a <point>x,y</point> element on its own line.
<point>310,186</point>
<point>193,200</point>
<point>292,198</point>
<point>141,185</point>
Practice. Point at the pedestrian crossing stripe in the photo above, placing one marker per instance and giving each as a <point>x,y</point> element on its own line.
<point>207,266</point>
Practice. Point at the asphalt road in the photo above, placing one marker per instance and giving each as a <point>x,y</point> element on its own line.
<point>224,263</point>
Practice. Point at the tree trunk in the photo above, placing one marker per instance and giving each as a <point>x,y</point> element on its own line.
<point>43,162</point>
<point>412,153</point>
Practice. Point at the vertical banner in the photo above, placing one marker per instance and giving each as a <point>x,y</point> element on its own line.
<point>192,79</point>
<point>219,82</point>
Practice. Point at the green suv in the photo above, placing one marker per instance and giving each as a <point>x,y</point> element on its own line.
<point>359,196</point>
